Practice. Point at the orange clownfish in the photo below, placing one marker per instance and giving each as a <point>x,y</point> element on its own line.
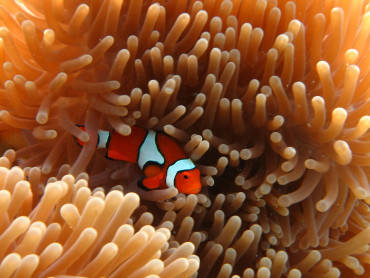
<point>163,162</point>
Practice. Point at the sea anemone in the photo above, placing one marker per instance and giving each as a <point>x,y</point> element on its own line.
<point>75,231</point>
<point>269,98</point>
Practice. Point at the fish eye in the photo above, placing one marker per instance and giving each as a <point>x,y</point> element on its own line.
<point>186,176</point>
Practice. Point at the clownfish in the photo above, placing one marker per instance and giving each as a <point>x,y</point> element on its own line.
<point>162,160</point>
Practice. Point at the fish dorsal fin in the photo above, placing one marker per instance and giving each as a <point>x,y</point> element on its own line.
<point>169,148</point>
<point>126,148</point>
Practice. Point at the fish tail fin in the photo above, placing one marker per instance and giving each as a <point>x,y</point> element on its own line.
<point>103,137</point>
<point>78,141</point>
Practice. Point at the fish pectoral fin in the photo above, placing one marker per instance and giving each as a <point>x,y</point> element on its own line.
<point>152,170</point>
<point>152,182</point>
